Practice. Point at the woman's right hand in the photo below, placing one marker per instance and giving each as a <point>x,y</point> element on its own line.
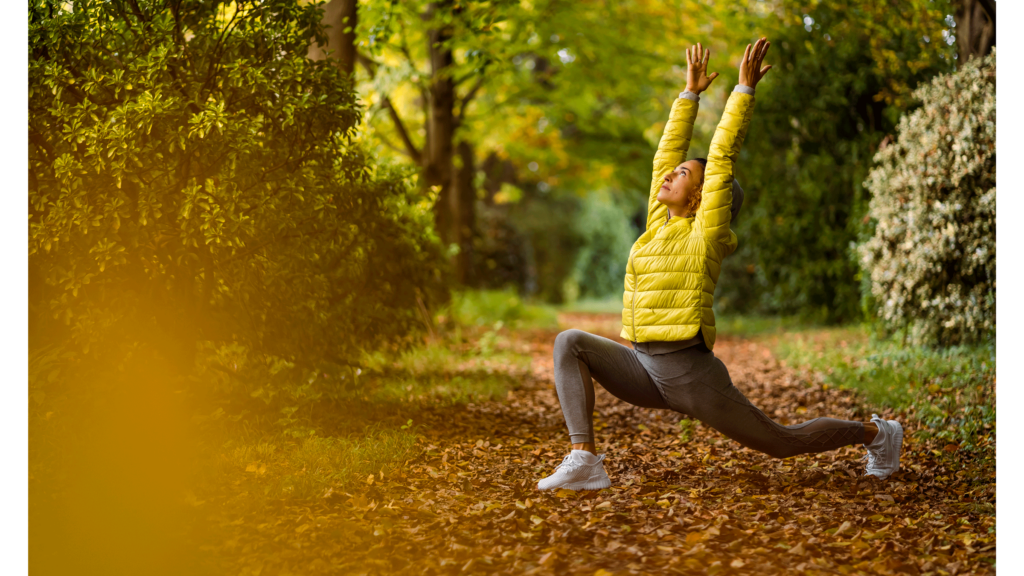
<point>751,71</point>
<point>697,79</point>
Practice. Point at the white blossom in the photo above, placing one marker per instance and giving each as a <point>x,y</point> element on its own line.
<point>932,257</point>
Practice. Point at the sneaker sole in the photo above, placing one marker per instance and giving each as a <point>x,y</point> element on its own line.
<point>592,483</point>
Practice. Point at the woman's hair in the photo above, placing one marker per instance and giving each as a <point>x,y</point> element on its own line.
<point>692,202</point>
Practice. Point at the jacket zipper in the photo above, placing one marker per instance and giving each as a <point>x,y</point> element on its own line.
<point>636,284</point>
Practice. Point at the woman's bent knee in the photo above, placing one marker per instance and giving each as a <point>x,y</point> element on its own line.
<point>567,342</point>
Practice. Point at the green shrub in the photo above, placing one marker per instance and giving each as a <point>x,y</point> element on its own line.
<point>199,181</point>
<point>932,257</point>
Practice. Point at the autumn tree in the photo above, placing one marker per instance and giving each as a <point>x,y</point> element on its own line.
<point>551,94</point>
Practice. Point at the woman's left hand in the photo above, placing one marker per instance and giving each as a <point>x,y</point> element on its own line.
<point>697,78</point>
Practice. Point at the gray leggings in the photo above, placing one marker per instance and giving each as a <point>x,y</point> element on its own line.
<point>692,381</point>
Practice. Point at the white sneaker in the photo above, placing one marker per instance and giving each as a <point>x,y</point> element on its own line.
<point>884,451</point>
<point>579,470</point>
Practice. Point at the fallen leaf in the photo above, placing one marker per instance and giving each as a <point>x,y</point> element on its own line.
<point>843,528</point>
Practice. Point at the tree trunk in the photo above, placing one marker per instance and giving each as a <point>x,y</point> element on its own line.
<point>339,15</point>
<point>462,204</point>
<point>438,153</point>
<point>975,27</point>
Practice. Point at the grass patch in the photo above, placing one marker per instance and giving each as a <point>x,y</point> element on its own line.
<point>445,373</point>
<point>335,435</point>
<point>749,326</point>
<point>951,391</point>
<point>611,305</point>
<point>474,308</point>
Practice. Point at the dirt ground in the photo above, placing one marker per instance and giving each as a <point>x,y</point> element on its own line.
<point>700,505</point>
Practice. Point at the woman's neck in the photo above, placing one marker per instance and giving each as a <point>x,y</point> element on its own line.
<point>674,212</point>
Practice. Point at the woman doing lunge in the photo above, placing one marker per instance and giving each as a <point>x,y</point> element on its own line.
<point>669,287</point>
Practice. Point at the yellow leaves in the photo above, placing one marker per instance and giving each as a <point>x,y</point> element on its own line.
<point>369,480</point>
<point>606,505</point>
<point>603,572</point>
<point>563,493</point>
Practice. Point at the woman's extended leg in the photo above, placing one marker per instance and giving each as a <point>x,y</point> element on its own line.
<point>579,356</point>
<point>697,383</point>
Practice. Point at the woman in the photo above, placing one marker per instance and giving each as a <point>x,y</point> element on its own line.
<point>669,287</point>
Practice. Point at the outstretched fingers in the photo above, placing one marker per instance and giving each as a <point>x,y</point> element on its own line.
<point>760,60</point>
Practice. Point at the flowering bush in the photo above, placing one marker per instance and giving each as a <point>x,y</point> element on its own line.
<point>932,256</point>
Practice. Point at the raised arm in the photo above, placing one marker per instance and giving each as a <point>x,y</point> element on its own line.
<point>713,215</point>
<point>675,140</point>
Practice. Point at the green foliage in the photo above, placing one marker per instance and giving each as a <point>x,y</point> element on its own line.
<point>951,391</point>
<point>557,246</point>
<point>686,429</point>
<point>843,72</point>
<point>193,177</point>
<point>932,257</point>
<point>607,235</point>
<point>474,308</point>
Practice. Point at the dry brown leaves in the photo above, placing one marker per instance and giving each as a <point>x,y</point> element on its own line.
<point>469,504</point>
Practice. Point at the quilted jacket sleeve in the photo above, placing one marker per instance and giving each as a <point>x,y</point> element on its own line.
<point>713,215</point>
<point>675,142</point>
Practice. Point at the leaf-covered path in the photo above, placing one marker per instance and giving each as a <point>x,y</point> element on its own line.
<point>468,504</point>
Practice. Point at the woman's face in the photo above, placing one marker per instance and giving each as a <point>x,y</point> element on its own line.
<point>680,183</point>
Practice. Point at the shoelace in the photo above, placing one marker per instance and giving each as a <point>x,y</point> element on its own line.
<point>569,463</point>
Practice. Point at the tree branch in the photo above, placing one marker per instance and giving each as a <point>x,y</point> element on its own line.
<point>371,69</point>
<point>467,99</point>
<point>400,128</point>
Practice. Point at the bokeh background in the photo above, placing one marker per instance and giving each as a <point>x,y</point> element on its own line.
<point>239,209</point>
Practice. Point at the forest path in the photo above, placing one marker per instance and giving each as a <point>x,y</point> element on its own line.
<point>469,504</point>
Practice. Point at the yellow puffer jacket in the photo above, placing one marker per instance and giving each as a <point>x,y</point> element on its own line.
<point>674,266</point>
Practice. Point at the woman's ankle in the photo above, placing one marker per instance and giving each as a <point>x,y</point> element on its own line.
<point>870,431</point>
<point>587,446</point>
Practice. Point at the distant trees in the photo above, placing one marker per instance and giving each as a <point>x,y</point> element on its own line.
<point>932,257</point>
